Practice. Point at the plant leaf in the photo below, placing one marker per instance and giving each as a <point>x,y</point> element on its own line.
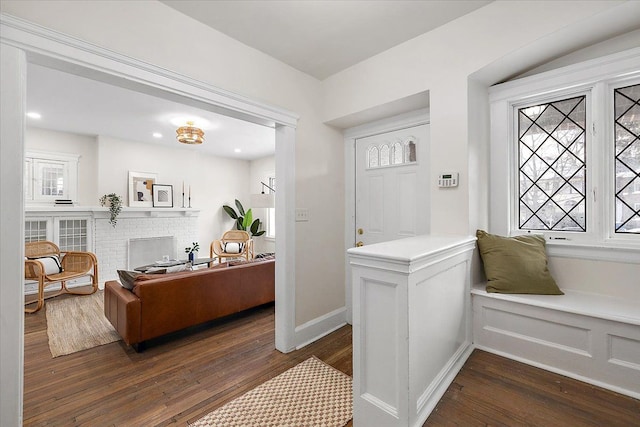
<point>255,226</point>
<point>259,233</point>
<point>240,207</point>
<point>248,218</point>
<point>230,211</point>
<point>239,223</point>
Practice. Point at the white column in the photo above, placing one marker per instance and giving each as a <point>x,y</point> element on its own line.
<point>12,112</point>
<point>411,326</point>
<point>285,238</point>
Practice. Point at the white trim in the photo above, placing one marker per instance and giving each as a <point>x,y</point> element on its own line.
<point>593,78</point>
<point>12,123</point>
<point>390,124</point>
<point>562,372</point>
<point>320,327</point>
<point>48,47</point>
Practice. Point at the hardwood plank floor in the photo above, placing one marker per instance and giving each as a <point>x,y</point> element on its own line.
<point>181,377</point>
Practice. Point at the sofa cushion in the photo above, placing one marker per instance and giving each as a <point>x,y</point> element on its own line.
<point>516,265</point>
<point>127,278</point>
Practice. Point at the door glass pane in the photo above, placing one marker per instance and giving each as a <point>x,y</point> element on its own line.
<point>384,155</point>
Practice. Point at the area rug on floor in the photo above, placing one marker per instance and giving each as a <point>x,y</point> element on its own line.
<point>311,393</point>
<point>78,323</point>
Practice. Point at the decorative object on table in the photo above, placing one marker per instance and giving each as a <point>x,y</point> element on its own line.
<point>183,194</point>
<point>244,220</point>
<point>162,196</point>
<point>190,134</point>
<point>189,196</point>
<point>264,200</point>
<point>191,250</point>
<point>311,393</point>
<point>114,203</point>
<point>141,189</point>
<point>233,244</point>
<point>63,202</point>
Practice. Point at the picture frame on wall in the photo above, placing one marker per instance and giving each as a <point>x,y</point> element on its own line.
<point>162,196</point>
<point>141,189</point>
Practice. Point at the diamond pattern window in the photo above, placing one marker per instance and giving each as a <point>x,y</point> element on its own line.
<point>552,166</point>
<point>627,159</point>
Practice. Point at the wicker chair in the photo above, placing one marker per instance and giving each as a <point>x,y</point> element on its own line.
<point>74,265</point>
<point>232,236</point>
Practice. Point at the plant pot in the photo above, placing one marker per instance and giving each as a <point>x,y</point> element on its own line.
<point>192,256</point>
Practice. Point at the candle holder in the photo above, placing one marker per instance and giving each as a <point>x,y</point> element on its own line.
<point>183,199</point>
<point>189,202</point>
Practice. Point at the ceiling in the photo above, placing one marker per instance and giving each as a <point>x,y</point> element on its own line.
<point>322,38</point>
<point>317,37</point>
<point>75,104</point>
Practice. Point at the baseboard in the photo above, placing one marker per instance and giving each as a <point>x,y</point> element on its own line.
<point>430,398</point>
<point>558,371</point>
<point>319,327</point>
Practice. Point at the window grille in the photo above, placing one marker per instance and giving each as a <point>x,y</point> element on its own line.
<point>552,165</point>
<point>399,153</point>
<point>73,234</point>
<point>627,158</point>
<point>35,231</point>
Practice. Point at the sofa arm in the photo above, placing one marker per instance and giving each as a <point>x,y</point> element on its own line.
<point>122,308</point>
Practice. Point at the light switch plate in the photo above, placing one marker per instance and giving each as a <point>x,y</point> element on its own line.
<point>302,215</point>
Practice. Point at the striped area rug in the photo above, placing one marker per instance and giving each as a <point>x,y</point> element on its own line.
<point>311,393</point>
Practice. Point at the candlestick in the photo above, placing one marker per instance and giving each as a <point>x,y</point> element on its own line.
<point>189,195</point>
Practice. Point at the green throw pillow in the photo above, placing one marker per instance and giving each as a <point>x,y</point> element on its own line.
<point>516,265</point>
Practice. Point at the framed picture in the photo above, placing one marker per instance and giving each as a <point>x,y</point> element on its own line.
<point>162,196</point>
<point>140,189</point>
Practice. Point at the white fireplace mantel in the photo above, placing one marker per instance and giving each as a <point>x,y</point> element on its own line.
<point>102,212</point>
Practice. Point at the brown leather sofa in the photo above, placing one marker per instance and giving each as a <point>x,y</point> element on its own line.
<point>162,303</point>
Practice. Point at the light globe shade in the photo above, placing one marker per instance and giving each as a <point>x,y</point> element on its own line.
<point>263,200</point>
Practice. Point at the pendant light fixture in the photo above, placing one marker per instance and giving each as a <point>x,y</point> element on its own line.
<point>190,134</point>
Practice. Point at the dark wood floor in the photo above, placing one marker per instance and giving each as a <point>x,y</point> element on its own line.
<point>182,377</point>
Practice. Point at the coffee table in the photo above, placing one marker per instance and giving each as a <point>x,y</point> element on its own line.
<point>173,263</point>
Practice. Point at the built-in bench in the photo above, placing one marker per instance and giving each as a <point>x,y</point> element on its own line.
<point>589,337</point>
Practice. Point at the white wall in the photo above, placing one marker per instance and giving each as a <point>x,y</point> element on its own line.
<point>214,181</point>
<point>70,143</point>
<point>260,171</point>
<point>105,163</point>
<point>155,33</point>
<point>465,45</point>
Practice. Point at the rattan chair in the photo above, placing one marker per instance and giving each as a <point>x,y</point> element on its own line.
<point>74,265</point>
<point>235,236</point>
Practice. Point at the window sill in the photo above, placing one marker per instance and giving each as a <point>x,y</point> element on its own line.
<point>615,252</point>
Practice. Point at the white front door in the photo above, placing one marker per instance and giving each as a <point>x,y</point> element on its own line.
<point>392,185</point>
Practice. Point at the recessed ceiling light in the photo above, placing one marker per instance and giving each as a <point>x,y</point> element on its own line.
<point>237,150</point>
<point>34,115</point>
<point>157,135</point>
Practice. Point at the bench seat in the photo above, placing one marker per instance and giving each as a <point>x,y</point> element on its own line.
<point>590,337</point>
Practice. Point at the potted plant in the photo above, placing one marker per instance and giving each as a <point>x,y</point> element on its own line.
<point>191,250</point>
<point>244,220</point>
<point>115,206</point>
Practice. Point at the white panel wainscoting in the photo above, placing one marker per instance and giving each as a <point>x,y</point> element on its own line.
<point>589,337</point>
<point>411,326</point>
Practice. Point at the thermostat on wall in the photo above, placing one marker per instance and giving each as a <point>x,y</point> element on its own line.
<point>448,179</point>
